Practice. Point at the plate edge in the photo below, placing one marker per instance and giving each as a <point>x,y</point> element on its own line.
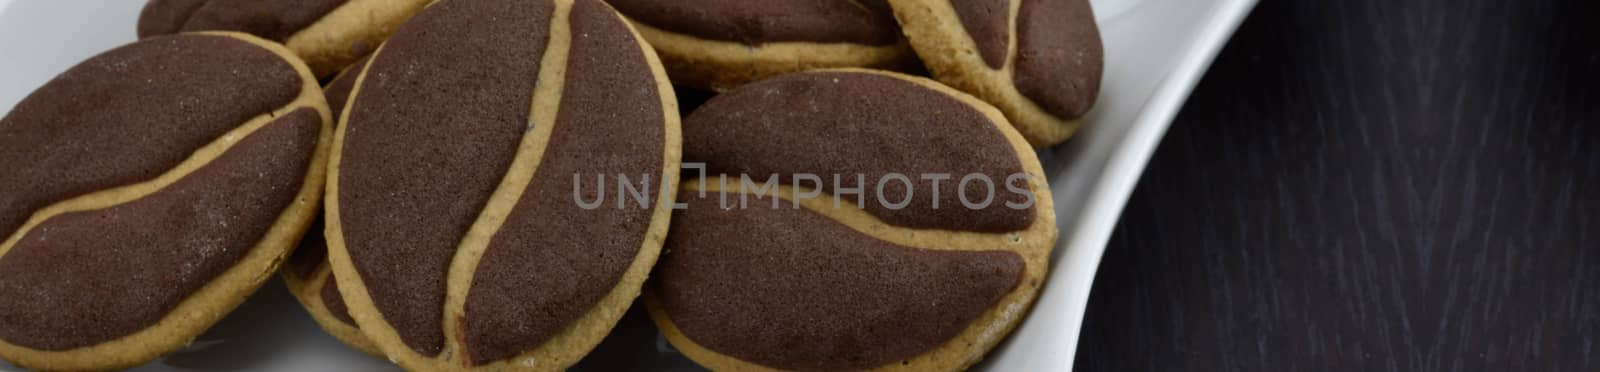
<point>1120,176</point>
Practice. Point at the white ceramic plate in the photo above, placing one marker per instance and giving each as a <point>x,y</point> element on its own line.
<point>1156,50</point>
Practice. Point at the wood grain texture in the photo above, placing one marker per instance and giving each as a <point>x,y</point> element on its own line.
<point>1370,185</point>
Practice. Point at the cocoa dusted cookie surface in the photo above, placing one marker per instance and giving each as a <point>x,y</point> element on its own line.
<point>721,44</point>
<point>1038,61</point>
<point>456,233</point>
<point>149,190</point>
<point>327,34</point>
<point>888,250</point>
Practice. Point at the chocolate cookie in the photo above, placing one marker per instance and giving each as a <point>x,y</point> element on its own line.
<point>307,273</point>
<point>149,190</point>
<point>1038,61</point>
<point>455,229</point>
<point>721,44</point>
<point>885,251</point>
<point>327,34</point>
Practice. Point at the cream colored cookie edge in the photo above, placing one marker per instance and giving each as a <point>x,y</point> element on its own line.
<point>327,45</point>
<point>308,291</point>
<point>723,65</point>
<point>350,284</point>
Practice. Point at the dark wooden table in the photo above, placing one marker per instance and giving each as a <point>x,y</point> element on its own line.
<point>1370,185</point>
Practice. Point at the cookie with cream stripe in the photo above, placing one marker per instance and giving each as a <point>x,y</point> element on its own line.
<point>453,230</point>
<point>1038,61</point>
<point>149,190</point>
<point>851,231</point>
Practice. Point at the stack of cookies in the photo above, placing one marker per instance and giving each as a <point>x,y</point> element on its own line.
<point>492,184</point>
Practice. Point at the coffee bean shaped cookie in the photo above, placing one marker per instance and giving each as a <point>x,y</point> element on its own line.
<point>454,228</point>
<point>307,273</point>
<point>721,44</point>
<point>1038,61</point>
<point>869,220</point>
<point>327,34</point>
<point>148,191</point>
